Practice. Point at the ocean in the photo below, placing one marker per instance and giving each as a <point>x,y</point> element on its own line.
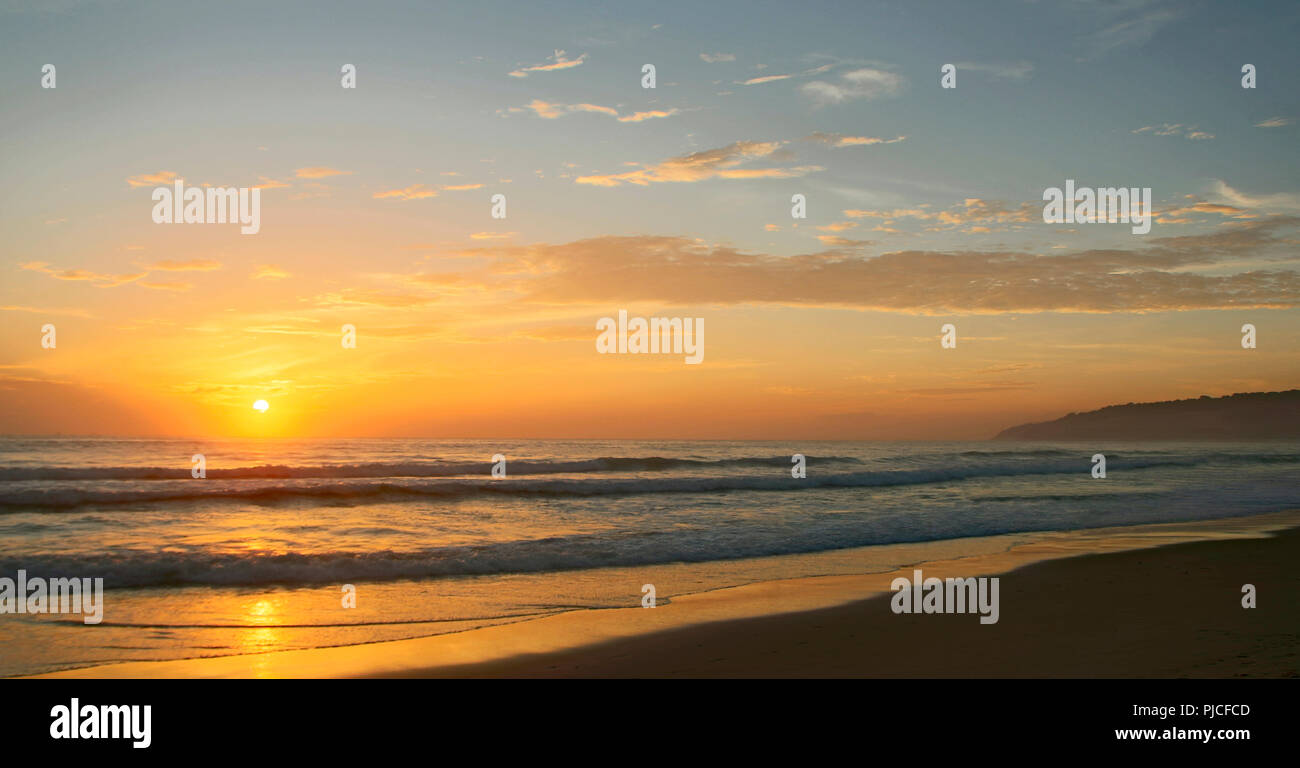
<point>254,557</point>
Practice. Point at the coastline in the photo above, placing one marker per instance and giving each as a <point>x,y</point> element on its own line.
<point>1153,600</point>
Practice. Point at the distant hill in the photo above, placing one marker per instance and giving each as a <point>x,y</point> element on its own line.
<point>1245,416</point>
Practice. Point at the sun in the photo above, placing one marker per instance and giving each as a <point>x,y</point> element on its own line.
<point>261,406</point>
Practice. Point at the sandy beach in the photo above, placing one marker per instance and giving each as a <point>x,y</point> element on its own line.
<point>1140,601</point>
<point>1168,612</point>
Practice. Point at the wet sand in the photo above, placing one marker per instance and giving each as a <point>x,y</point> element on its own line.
<point>1142,601</point>
<point>1169,612</point>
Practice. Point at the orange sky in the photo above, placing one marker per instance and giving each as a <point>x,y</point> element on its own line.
<point>923,207</point>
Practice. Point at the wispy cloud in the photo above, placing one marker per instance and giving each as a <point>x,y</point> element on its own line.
<point>1275,122</point>
<point>1163,274</point>
<point>1281,202</point>
<point>422,191</point>
<point>1175,129</point>
<point>356,297</point>
<point>776,78</point>
<point>557,62</point>
<point>721,163</point>
<point>765,79</point>
<point>865,83</point>
<point>840,140</point>
<point>839,241</point>
<point>70,311</point>
<point>1183,214</point>
<point>152,179</point>
<point>101,280</point>
<point>651,114</point>
<point>975,213</point>
<point>1128,23</point>
<point>319,172</point>
<point>413,192</point>
<point>714,58</point>
<point>269,272</point>
<point>551,111</point>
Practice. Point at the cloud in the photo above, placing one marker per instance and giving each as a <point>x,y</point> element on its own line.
<point>552,111</point>
<point>714,58</point>
<point>558,62</point>
<point>152,179</point>
<point>1275,122</point>
<point>1164,129</point>
<point>191,265</point>
<point>1223,210</point>
<point>1129,23</point>
<point>354,297</point>
<point>99,279</point>
<point>589,108</point>
<point>1179,215</point>
<point>865,83</point>
<point>839,140</point>
<point>721,163</point>
<point>765,79</point>
<point>1163,274</point>
<point>72,311</point>
<point>163,178</point>
<point>268,272</point>
<point>319,172</point>
<point>413,192</point>
<point>422,191</point>
<point>544,109</point>
<point>1277,203</point>
<point>775,78</point>
<point>842,242</point>
<point>637,117</point>
<point>972,211</point>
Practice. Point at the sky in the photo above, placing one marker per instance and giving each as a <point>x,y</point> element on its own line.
<point>923,208</point>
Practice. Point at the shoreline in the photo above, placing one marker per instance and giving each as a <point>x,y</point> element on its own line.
<point>1114,612</point>
<point>737,626</point>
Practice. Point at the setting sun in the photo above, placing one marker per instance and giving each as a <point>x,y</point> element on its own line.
<point>261,406</point>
